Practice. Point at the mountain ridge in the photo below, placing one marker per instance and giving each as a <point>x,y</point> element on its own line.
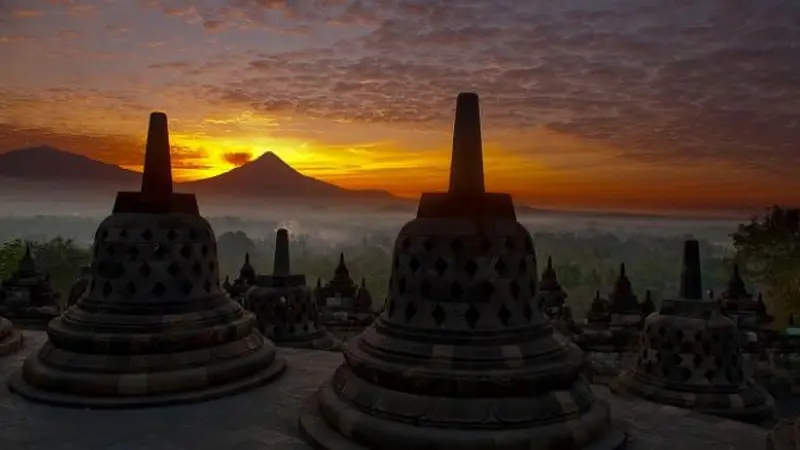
<point>267,176</point>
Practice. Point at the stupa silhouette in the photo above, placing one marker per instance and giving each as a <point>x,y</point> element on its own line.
<point>154,327</point>
<point>461,357</point>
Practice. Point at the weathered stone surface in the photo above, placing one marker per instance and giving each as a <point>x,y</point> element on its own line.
<point>265,418</point>
<point>10,338</point>
<point>153,327</point>
<point>690,356</point>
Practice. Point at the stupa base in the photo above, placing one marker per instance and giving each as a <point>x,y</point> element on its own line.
<point>750,405</point>
<point>11,340</point>
<point>325,342</point>
<point>32,318</point>
<point>19,385</point>
<point>355,430</point>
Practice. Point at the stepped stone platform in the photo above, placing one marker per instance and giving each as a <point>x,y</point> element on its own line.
<point>266,418</point>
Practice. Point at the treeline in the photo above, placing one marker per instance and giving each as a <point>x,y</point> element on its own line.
<point>767,250</point>
<point>584,263</point>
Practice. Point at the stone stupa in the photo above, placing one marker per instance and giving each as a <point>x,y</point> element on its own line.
<point>154,327</point>
<point>461,357</point>
<point>690,356</point>
<point>285,308</point>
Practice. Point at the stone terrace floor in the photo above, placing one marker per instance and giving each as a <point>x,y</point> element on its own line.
<point>265,418</point>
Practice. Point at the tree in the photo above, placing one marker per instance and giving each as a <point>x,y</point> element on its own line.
<point>768,250</point>
<point>10,254</point>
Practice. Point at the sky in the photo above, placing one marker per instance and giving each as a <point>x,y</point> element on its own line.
<point>588,104</point>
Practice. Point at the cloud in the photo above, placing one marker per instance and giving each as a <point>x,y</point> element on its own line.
<point>117,149</point>
<point>171,65</point>
<point>702,83</point>
<point>12,39</point>
<point>238,158</point>
<point>27,12</point>
<point>664,82</point>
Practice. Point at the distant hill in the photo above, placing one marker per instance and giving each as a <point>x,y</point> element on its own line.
<point>270,177</point>
<point>39,169</point>
<point>49,164</point>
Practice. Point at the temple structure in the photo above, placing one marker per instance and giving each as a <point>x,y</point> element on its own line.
<point>551,301</point>
<point>344,310</point>
<point>611,338</point>
<point>690,356</point>
<point>285,308</point>
<point>624,308</point>
<point>599,315</point>
<point>242,283</point>
<point>461,357</point>
<point>26,296</point>
<point>551,296</point>
<point>10,338</point>
<point>340,292</point>
<point>737,303</point>
<point>154,326</point>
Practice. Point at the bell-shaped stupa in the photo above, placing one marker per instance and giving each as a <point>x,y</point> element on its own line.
<point>690,355</point>
<point>285,308</point>
<point>461,357</point>
<point>551,295</point>
<point>154,327</point>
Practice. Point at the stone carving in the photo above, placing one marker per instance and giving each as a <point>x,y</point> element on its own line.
<point>153,327</point>
<point>461,357</point>
<point>285,307</point>
<point>690,356</point>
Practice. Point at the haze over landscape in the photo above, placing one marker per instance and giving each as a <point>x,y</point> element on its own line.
<point>648,106</point>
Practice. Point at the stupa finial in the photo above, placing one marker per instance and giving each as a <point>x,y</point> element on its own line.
<point>157,173</point>
<point>466,164</point>
<point>691,276</point>
<point>281,266</point>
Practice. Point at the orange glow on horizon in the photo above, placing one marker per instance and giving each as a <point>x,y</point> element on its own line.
<point>539,167</point>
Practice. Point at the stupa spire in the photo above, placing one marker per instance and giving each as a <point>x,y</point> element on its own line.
<point>156,195</point>
<point>691,276</point>
<point>157,173</point>
<point>281,265</point>
<point>466,163</point>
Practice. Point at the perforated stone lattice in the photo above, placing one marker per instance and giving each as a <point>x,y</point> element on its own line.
<point>463,280</point>
<point>691,356</point>
<point>152,258</point>
<point>284,312</point>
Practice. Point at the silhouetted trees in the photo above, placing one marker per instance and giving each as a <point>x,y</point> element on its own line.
<point>585,261</point>
<point>768,250</point>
